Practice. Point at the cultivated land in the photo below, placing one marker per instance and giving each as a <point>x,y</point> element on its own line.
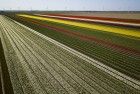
<point>123,15</point>
<point>66,56</point>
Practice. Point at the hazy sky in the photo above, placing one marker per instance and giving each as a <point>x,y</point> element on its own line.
<point>98,5</point>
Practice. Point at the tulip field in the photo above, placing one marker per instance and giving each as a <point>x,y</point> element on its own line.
<point>111,48</point>
<point>64,54</point>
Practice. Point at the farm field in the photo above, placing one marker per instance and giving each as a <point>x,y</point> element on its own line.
<point>121,15</point>
<point>71,54</point>
<point>105,14</point>
<point>119,53</point>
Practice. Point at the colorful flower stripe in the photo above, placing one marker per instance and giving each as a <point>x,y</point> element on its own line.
<point>128,32</point>
<point>99,18</point>
<point>87,20</point>
<point>107,44</point>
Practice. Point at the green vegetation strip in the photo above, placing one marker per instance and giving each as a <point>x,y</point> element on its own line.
<point>7,86</point>
<point>127,64</point>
